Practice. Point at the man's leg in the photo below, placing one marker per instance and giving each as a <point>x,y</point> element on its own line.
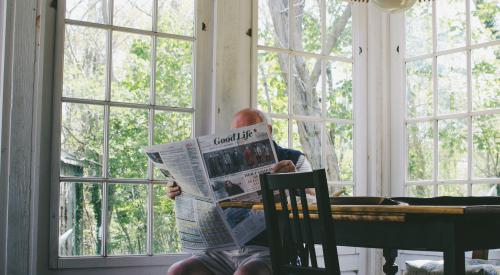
<point>191,266</point>
<point>254,268</point>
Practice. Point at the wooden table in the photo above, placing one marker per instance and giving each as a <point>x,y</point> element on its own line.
<point>450,229</point>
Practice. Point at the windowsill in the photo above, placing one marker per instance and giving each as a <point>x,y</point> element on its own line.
<point>118,261</point>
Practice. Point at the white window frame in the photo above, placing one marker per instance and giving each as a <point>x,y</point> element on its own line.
<point>359,90</point>
<point>399,120</point>
<point>202,124</point>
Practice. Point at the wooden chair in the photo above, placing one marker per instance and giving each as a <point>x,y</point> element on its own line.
<point>289,230</point>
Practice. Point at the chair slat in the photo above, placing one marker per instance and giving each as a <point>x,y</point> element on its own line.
<point>292,242</point>
<point>307,223</point>
<point>299,241</point>
<point>288,238</point>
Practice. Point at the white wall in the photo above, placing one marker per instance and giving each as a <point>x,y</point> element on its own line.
<point>233,60</point>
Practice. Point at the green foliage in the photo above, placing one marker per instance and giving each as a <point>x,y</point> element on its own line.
<point>487,12</point>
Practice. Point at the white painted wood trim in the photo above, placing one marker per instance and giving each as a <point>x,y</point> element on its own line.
<point>398,139</point>
<point>17,136</point>
<point>3,187</point>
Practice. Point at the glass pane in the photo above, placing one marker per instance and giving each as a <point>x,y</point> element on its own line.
<point>280,132</point>
<point>272,90</point>
<point>135,14</point>
<point>273,23</point>
<point>128,134</point>
<point>165,235</point>
<point>169,127</point>
<point>420,151</point>
<point>306,86</point>
<point>486,189</point>
<point>307,36</point>
<point>452,149</point>
<point>339,161</point>
<point>450,24</point>
<point>80,219</point>
<point>127,225</point>
<point>172,126</point>
<point>131,68</point>
<point>82,140</point>
<point>485,20</point>
<point>87,10</point>
<point>419,88</point>
<point>457,190</point>
<point>420,191</point>
<point>418,29</point>
<point>339,89</point>
<point>174,72</point>
<point>486,149</point>
<point>306,137</point>
<point>176,16</point>
<point>338,28</point>
<point>486,78</point>
<point>341,190</point>
<point>84,73</point>
<point>452,83</point>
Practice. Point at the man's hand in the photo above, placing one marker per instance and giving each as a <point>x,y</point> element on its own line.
<point>173,190</point>
<point>284,166</point>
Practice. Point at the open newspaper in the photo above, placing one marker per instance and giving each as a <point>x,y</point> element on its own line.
<point>212,169</point>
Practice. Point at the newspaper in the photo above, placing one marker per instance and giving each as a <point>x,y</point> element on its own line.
<point>212,169</point>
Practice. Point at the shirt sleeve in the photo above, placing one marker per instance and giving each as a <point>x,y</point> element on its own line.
<point>303,165</point>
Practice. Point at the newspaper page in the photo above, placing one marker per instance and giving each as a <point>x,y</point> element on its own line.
<point>182,161</point>
<point>200,224</point>
<point>212,169</point>
<point>233,162</point>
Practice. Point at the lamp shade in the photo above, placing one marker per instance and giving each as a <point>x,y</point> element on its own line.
<point>394,6</point>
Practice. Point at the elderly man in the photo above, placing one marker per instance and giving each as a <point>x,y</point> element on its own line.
<point>253,258</point>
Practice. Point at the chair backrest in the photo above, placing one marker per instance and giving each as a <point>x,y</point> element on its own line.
<point>290,224</point>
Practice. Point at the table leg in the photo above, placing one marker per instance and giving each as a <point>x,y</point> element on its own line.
<point>454,262</point>
<point>390,268</point>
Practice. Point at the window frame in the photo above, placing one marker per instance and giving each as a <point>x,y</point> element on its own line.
<point>358,121</point>
<point>399,120</point>
<point>202,50</point>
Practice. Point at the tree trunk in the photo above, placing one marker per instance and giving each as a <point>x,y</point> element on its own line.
<point>306,99</point>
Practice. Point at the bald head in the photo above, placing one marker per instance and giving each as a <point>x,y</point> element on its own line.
<point>249,116</point>
<point>246,117</point>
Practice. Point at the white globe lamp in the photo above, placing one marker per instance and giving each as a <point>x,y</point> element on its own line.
<point>394,6</point>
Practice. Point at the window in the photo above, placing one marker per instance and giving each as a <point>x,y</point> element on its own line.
<point>304,69</point>
<point>126,81</point>
<point>452,100</point>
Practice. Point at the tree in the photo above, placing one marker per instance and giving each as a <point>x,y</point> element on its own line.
<point>305,75</point>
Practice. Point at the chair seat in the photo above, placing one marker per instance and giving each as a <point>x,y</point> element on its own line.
<point>472,267</point>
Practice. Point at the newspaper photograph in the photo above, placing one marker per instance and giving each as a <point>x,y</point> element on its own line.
<point>212,169</point>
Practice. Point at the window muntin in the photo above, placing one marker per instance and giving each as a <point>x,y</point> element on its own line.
<point>127,82</point>
<point>304,73</point>
<point>452,64</point>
